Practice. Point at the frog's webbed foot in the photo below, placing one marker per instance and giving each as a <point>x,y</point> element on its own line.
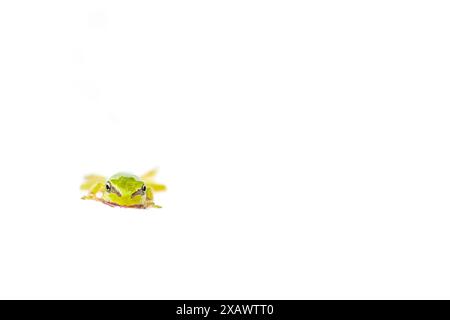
<point>151,204</point>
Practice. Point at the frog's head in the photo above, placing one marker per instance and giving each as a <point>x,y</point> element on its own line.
<point>125,189</point>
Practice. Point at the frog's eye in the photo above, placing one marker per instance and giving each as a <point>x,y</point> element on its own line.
<point>108,186</point>
<point>144,188</point>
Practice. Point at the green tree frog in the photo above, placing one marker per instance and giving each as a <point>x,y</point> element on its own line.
<point>123,189</point>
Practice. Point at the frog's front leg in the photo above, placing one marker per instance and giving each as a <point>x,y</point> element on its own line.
<point>149,201</point>
<point>151,204</point>
<point>94,189</point>
<point>93,184</point>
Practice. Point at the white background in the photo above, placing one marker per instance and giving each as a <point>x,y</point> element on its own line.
<point>305,145</point>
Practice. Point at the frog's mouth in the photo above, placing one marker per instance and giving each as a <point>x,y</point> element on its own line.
<point>135,206</point>
<point>111,204</point>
